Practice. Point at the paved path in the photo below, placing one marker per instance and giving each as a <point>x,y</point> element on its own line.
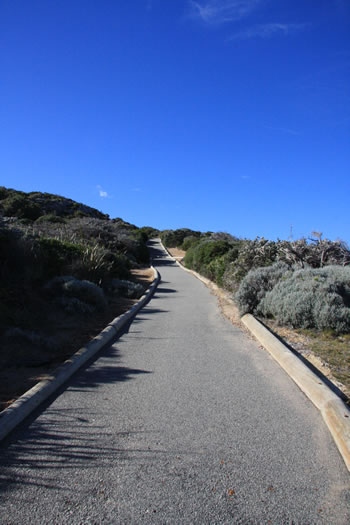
<point>183,420</point>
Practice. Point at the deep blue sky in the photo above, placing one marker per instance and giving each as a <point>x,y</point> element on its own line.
<point>224,115</point>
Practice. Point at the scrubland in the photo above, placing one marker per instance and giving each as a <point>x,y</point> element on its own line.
<point>300,288</point>
<point>66,270</point>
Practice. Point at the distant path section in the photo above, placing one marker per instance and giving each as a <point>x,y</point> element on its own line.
<point>184,420</point>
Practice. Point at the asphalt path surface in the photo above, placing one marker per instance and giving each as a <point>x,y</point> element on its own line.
<point>184,419</point>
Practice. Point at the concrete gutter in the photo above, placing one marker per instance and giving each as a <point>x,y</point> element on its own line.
<point>30,400</point>
<point>334,411</point>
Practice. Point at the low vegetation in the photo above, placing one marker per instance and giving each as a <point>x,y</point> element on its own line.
<point>63,263</point>
<point>302,284</point>
<point>63,267</point>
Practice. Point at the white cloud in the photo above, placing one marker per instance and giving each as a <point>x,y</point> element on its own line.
<point>220,11</point>
<point>268,30</point>
<point>102,193</point>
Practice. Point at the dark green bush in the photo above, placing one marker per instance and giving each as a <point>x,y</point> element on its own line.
<point>3,192</point>
<point>174,238</point>
<point>57,257</point>
<point>18,257</point>
<point>98,265</point>
<point>216,269</point>
<point>311,298</point>
<point>200,257</point>
<point>51,217</point>
<point>150,232</point>
<point>17,205</point>
<point>189,241</point>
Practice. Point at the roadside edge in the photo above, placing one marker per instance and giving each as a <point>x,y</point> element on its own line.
<point>334,411</point>
<point>13,415</point>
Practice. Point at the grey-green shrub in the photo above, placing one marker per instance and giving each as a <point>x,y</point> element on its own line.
<point>36,338</point>
<point>256,284</point>
<point>85,291</point>
<point>126,288</point>
<point>251,254</point>
<point>311,298</point>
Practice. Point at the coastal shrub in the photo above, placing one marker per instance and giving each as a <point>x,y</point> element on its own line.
<point>201,255</point>
<point>51,217</point>
<point>216,269</point>
<point>36,338</point>
<point>18,257</point>
<point>84,291</point>
<point>93,264</point>
<point>174,238</point>
<point>189,241</point>
<point>150,232</point>
<point>311,298</point>
<point>56,257</point>
<point>250,254</point>
<point>256,284</point>
<point>17,205</point>
<point>314,252</point>
<point>126,288</point>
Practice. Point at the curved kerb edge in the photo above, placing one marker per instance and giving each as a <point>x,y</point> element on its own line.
<point>30,400</point>
<point>334,411</point>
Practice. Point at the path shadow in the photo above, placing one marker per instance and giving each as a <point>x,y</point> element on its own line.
<point>66,441</point>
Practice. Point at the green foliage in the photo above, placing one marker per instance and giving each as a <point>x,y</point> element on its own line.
<point>99,265</point>
<point>201,257</point>
<point>256,284</point>
<point>17,205</point>
<point>311,298</point>
<point>216,269</point>
<point>189,241</point>
<point>56,257</point>
<point>250,254</point>
<point>51,217</point>
<point>174,238</point>
<point>18,260</point>
<point>3,192</point>
<point>150,232</point>
<point>32,205</point>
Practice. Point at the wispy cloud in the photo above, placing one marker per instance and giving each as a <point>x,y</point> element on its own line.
<point>283,130</point>
<point>221,11</point>
<point>101,192</point>
<point>268,31</point>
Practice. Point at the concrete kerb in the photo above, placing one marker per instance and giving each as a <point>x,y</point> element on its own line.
<point>335,413</point>
<point>13,415</point>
